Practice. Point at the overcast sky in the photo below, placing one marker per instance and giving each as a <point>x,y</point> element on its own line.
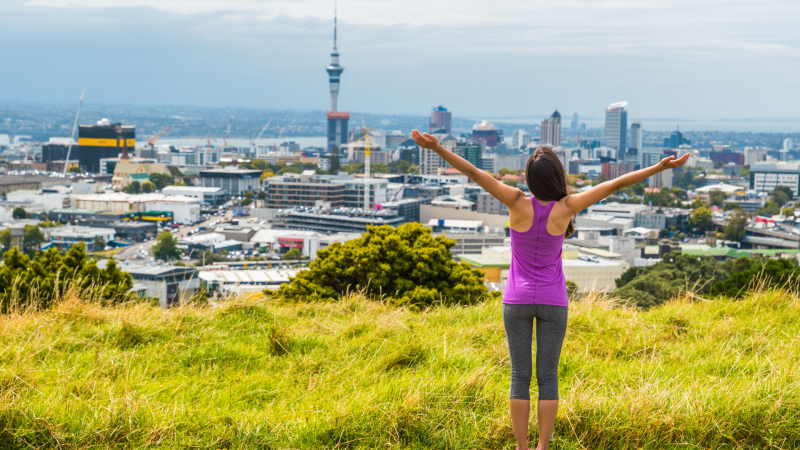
<point>667,58</point>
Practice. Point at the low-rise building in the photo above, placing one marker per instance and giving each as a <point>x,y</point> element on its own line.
<point>171,285</point>
<point>237,282</point>
<point>339,220</point>
<point>593,274</point>
<point>473,243</point>
<point>93,238</point>
<point>235,181</point>
<point>122,202</point>
<point>209,196</point>
<point>604,220</point>
<point>182,213</point>
<point>494,267</point>
<point>490,205</point>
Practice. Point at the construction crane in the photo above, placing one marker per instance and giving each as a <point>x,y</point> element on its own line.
<point>74,127</point>
<point>260,134</point>
<point>228,133</point>
<point>152,141</point>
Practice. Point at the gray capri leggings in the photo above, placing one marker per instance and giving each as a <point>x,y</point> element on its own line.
<point>551,325</point>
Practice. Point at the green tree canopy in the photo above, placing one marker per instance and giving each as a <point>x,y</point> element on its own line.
<point>39,281</point>
<point>675,274</point>
<point>774,273</point>
<point>148,187</point>
<point>406,264</point>
<point>133,188</point>
<point>735,227</point>
<point>74,169</point>
<point>334,160</point>
<point>771,208</point>
<point>161,181</point>
<point>717,198</point>
<point>701,219</point>
<point>292,254</point>
<point>166,247</point>
<point>19,213</point>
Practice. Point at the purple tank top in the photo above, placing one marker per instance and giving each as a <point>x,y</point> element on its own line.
<point>536,275</point>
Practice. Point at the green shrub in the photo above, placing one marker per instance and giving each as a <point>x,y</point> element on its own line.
<point>774,273</point>
<point>406,264</point>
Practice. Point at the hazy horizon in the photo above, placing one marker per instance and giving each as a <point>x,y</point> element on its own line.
<point>679,59</point>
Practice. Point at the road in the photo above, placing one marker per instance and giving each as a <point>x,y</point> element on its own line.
<point>127,252</point>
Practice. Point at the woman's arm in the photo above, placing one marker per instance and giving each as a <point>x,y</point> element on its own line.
<point>579,202</point>
<point>506,194</point>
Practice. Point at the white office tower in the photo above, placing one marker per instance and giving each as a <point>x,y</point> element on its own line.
<point>636,135</point>
<point>787,144</point>
<point>617,128</point>
<point>574,125</point>
<point>520,138</point>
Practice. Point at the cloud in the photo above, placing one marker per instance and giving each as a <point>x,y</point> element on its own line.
<point>668,58</point>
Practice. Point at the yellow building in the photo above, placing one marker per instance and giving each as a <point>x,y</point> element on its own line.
<point>494,267</point>
<point>123,171</point>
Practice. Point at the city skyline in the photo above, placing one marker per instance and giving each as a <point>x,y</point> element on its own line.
<point>267,55</point>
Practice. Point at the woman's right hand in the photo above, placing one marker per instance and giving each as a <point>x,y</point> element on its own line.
<point>425,140</point>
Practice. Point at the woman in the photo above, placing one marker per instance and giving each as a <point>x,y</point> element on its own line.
<point>536,288</point>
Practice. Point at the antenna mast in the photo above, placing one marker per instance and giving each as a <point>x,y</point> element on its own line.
<point>74,127</point>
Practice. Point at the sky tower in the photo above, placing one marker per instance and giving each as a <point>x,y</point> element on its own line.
<point>337,120</point>
<point>334,70</point>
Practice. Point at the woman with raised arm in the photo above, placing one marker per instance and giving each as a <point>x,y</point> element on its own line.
<point>536,288</point>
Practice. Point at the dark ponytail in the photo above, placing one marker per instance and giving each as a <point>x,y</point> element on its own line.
<point>547,179</point>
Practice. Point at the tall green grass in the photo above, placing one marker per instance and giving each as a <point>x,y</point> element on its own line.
<point>256,374</point>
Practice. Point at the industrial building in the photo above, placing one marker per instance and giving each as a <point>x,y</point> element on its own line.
<point>209,196</point>
<point>235,181</point>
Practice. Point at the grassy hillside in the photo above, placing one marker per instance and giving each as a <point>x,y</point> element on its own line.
<point>254,374</point>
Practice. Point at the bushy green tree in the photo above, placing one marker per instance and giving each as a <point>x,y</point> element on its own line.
<point>782,194</point>
<point>717,198</point>
<point>133,188</point>
<point>735,227</point>
<point>701,219</point>
<point>49,275</point>
<point>572,289</point>
<point>334,160</point>
<point>774,273</point>
<point>675,274</point>
<point>32,240</point>
<point>161,181</point>
<point>771,208</point>
<point>19,213</point>
<point>406,264</point>
<point>293,254</point>
<point>166,247</point>
<point>148,187</point>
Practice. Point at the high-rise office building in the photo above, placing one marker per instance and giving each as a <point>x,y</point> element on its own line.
<point>440,120</point>
<point>337,120</point>
<point>486,131</point>
<point>787,144</point>
<point>617,128</point>
<point>675,140</point>
<point>520,138</point>
<point>103,140</point>
<point>575,123</point>
<point>636,135</point>
<point>551,130</point>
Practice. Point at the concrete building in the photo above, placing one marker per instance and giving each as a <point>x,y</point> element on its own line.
<point>636,135</point>
<point>485,131</point>
<point>48,200</point>
<point>473,243</point>
<point>520,138</point>
<point>603,220</point>
<point>102,140</point>
<point>182,213</point>
<point>121,202</point>
<point>65,237</point>
<point>490,205</point>
<point>306,189</point>
<point>209,196</point>
<point>131,231</point>
<point>441,120</point>
<point>199,242</point>
<point>339,220</point>
<point>765,177</point>
<point>237,282</point>
<point>650,219</point>
<point>754,155</point>
<point>593,274</point>
<point>625,246</point>
<point>171,285</point>
<point>235,181</point>
<point>494,267</point>
<point>661,180</point>
<point>125,170</point>
<point>551,130</point>
<point>619,210</point>
<point>616,170</point>
<point>617,128</point>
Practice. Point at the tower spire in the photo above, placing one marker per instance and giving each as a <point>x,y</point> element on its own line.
<point>334,69</point>
<point>335,8</point>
